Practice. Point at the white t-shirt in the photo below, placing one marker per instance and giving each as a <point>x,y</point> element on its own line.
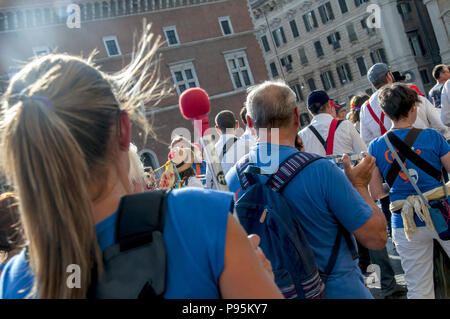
<point>445,104</point>
<point>346,138</point>
<point>234,153</point>
<point>370,129</point>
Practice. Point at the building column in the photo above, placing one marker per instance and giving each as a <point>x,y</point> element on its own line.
<point>396,43</point>
<point>439,29</point>
<point>394,36</point>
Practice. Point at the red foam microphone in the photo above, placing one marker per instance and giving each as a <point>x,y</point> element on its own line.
<point>194,105</point>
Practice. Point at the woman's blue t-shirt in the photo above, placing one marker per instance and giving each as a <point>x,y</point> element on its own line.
<point>431,146</point>
<point>194,236</point>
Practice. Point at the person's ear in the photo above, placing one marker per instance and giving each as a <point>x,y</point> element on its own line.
<point>125,131</point>
<point>236,126</point>
<point>218,130</point>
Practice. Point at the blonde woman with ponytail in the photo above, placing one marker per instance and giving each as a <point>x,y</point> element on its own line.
<point>65,136</point>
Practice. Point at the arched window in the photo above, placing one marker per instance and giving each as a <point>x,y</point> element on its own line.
<point>38,17</point>
<point>112,5</point>
<point>97,10</point>
<point>2,22</point>
<point>82,13</point>
<point>89,12</point>
<point>30,18</point>
<point>10,20</point>
<point>47,16</point>
<point>105,9</point>
<point>127,6</point>
<point>20,19</point>
<point>120,7</point>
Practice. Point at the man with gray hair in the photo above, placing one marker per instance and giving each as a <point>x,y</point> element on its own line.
<point>322,197</point>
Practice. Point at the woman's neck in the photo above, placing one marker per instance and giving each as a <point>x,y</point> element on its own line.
<point>401,125</point>
<point>108,202</point>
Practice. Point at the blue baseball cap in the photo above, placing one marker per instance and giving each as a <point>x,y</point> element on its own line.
<point>377,71</point>
<point>316,99</point>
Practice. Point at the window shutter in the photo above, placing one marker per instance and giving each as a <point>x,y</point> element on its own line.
<point>330,75</point>
<point>323,15</point>
<point>307,26</point>
<point>282,35</point>
<point>330,10</point>
<point>349,73</point>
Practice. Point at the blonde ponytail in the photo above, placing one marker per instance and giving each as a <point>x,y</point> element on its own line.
<point>59,117</point>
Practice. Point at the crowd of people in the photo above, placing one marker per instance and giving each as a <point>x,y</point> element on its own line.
<point>67,150</point>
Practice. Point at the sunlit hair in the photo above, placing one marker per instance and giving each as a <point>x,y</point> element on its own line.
<point>397,99</point>
<point>57,154</point>
<point>270,104</point>
<point>355,106</point>
<point>136,173</point>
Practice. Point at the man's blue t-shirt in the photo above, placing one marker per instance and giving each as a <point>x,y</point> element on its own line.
<point>323,196</point>
<point>431,146</point>
<point>194,235</point>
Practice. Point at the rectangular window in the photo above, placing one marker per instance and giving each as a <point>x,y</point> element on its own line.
<point>405,11</point>
<point>351,33</point>
<point>327,80</point>
<point>265,43</point>
<point>279,37</point>
<point>365,27</point>
<point>239,69</point>
<point>334,40</point>
<point>112,46</point>
<point>225,25</point>
<point>310,21</point>
<point>171,35</point>
<point>360,2</point>
<point>303,57</point>
<point>298,91</point>
<point>417,45</point>
<point>326,13</point>
<point>294,28</point>
<point>378,56</point>
<point>311,84</point>
<point>319,50</point>
<point>361,65</point>
<point>273,69</point>
<point>344,73</point>
<point>184,76</point>
<point>287,62</point>
<point>343,6</point>
<point>424,76</point>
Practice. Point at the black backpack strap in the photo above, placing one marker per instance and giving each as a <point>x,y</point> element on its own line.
<point>395,167</point>
<point>227,146</point>
<point>342,232</point>
<point>140,221</point>
<point>406,151</point>
<point>319,137</point>
<point>289,168</point>
<point>138,216</point>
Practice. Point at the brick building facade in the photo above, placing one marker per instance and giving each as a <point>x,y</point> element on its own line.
<point>209,43</point>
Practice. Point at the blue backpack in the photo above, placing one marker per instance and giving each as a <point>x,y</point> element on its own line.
<point>262,210</point>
